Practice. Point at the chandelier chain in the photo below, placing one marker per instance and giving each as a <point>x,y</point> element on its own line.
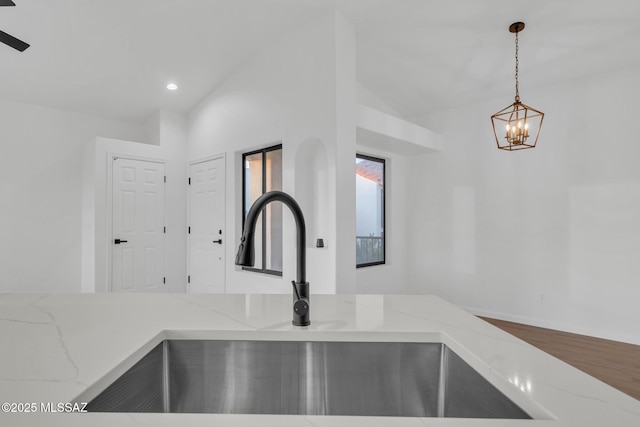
<point>517,64</point>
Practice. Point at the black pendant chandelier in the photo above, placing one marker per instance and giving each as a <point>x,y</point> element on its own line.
<point>517,126</point>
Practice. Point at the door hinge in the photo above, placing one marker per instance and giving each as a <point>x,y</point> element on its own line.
<point>189,180</point>
<point>188,279</point>
<point>189,230</point>
<point>165,178</point>
<point>164,280</point>
<point>165,229</point>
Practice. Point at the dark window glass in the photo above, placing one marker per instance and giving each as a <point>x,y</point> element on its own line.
<point>262,173</point>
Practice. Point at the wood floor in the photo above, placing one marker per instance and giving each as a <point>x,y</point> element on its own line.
<point>612,362</point>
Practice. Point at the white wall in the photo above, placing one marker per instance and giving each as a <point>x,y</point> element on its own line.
<point>173,139</point>
<point>41,194</point>
<point>391,277</point>
<point>287,93</point>
<point>368,98</point>
<point>345,153</point>
<point>548,236</point>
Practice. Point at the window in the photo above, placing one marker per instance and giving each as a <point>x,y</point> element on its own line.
<point>262,173</point>
<point>370,211</point>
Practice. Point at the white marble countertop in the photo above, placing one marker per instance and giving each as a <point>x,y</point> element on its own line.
<point>56,347</point>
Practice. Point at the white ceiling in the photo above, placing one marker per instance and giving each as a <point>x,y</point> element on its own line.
<point>113,58</point>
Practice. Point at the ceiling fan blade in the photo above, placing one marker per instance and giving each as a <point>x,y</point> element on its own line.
<point>15,43</point>
<point>7,3</point>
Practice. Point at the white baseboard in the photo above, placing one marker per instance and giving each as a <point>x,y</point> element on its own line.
<point>541,323</point>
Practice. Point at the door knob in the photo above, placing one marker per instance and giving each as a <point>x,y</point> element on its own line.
<point>118,241</point>
<point>219,241</point>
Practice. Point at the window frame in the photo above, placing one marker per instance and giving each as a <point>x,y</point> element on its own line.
<point>263,221</point>
<point>384,209</point>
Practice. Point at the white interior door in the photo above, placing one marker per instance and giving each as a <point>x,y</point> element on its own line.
<point>138,226</point>
<point>207,239</point>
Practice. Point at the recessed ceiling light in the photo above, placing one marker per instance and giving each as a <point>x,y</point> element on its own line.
<point>172,86</point>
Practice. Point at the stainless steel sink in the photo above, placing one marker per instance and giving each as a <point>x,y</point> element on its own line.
<point>309,378</point>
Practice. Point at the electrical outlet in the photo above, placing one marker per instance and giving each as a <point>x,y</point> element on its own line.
<point>542,298</point>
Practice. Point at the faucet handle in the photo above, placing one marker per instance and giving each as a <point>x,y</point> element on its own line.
<point>295,289</point>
